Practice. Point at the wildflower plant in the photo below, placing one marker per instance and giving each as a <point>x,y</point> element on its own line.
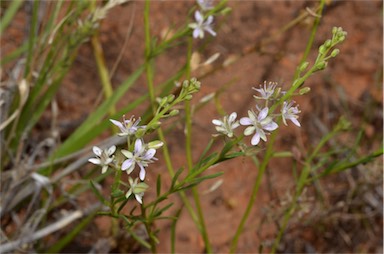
<point>138,152</point>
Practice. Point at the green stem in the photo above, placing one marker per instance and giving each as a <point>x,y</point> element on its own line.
<point>311,38</point>
<point>148,227</point>
<point>255,190</point>
<point>188,148</point>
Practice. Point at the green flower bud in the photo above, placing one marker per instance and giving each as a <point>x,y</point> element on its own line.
<point>322,49</point>
<point>342,38</point>
<point>188,97</point>
<point>155,144</point>
<point>322,65</point>
<point>335,52</point>
<point>170,98</point>
<point>303,66</point>
<point>185,83</point>
<point>173,112</point>
<point>304,90</point>
<point>328,43</point>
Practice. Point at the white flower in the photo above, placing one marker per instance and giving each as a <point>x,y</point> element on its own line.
<point>205,5</point>
<point>141,155</point>
<point>267,91</point>
<point>104,157</point>
<point>258,123</point>
<point>201,25</point>
<point>228,124</point>
<point>136,189</point>
<point>127,127</point>
<point>290,113</point>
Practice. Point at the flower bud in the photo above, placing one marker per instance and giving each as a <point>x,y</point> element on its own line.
<point>341,38</point>
<point>155,144</point>
<point>304,90</point>
<point>185,83</point>
<point>170,98</point>
<point>328,43</point>
<point>322,65</point>
<point>322,49</point>
<point>335,52</point>
<point>188,97</point>
<point>173,112</point>
<point>303,66</point>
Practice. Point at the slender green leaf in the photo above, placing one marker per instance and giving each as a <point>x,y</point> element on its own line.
<point>158,212</point>
<point>175,177</point>
<point>203,178</point>
<point>9,14</point>
<point>173,229</point>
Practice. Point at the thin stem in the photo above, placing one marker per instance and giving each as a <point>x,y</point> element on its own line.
<point>148,227</point>
<point>188,149</point>
<point>254,193</point>
<point>311,38</point>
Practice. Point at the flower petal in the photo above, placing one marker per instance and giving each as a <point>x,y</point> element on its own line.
<point>249,130</point>
<point>118,124</point>
<point>149,154</point>
<point>127,153</point>
<point>217,122</point>
<point>96,150</point>
<point>95,161</point>
<point>294,120</point>
<point>199,18</point>
<point>129,193</point>
<point>104,169</point>
<point>138,146</point>
<point>126,164</point>
<point>232,117</point>
<point>209,20</point>
<point>263,114</point>
<point>255,139</point>
<point>142,173</point>
<point>271,126</point>
<point>245,121</point>
<point>139,197</point>
<point>111,150</point>
<point>262,135</point>
<point>209,30</point>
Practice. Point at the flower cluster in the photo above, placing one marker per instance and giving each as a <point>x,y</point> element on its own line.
<point>202,23</point>
<point>141,154</point>
<point>261,122</point>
